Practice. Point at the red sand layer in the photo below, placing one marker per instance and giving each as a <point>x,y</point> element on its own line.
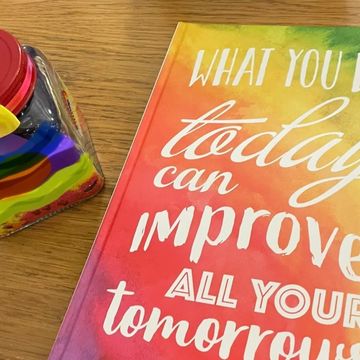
<point>87,190</point>
<point>25,180</point>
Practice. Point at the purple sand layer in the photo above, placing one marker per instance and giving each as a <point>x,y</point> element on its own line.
<point>11,143</point>
<point>64,155</point>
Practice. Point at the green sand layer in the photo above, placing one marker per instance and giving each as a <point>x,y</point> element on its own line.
<point>64,180</point>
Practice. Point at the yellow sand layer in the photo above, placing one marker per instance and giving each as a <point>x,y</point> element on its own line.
<point>64,180</point>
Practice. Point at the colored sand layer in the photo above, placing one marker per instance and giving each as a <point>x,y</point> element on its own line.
<point>40,175</point>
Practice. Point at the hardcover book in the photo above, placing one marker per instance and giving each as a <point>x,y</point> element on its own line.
<point>233,231</point>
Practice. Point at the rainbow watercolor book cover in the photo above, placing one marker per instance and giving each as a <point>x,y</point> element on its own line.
<point>234,230</point>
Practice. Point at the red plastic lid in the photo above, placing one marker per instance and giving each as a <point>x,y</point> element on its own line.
<point>24,92</point>
<point>17,74</point>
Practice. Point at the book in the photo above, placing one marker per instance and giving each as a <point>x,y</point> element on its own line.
<point>233,231</point>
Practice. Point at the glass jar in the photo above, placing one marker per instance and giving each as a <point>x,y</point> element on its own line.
<point>47,160</point>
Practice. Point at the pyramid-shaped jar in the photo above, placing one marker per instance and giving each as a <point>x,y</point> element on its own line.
<point>47,161</point>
